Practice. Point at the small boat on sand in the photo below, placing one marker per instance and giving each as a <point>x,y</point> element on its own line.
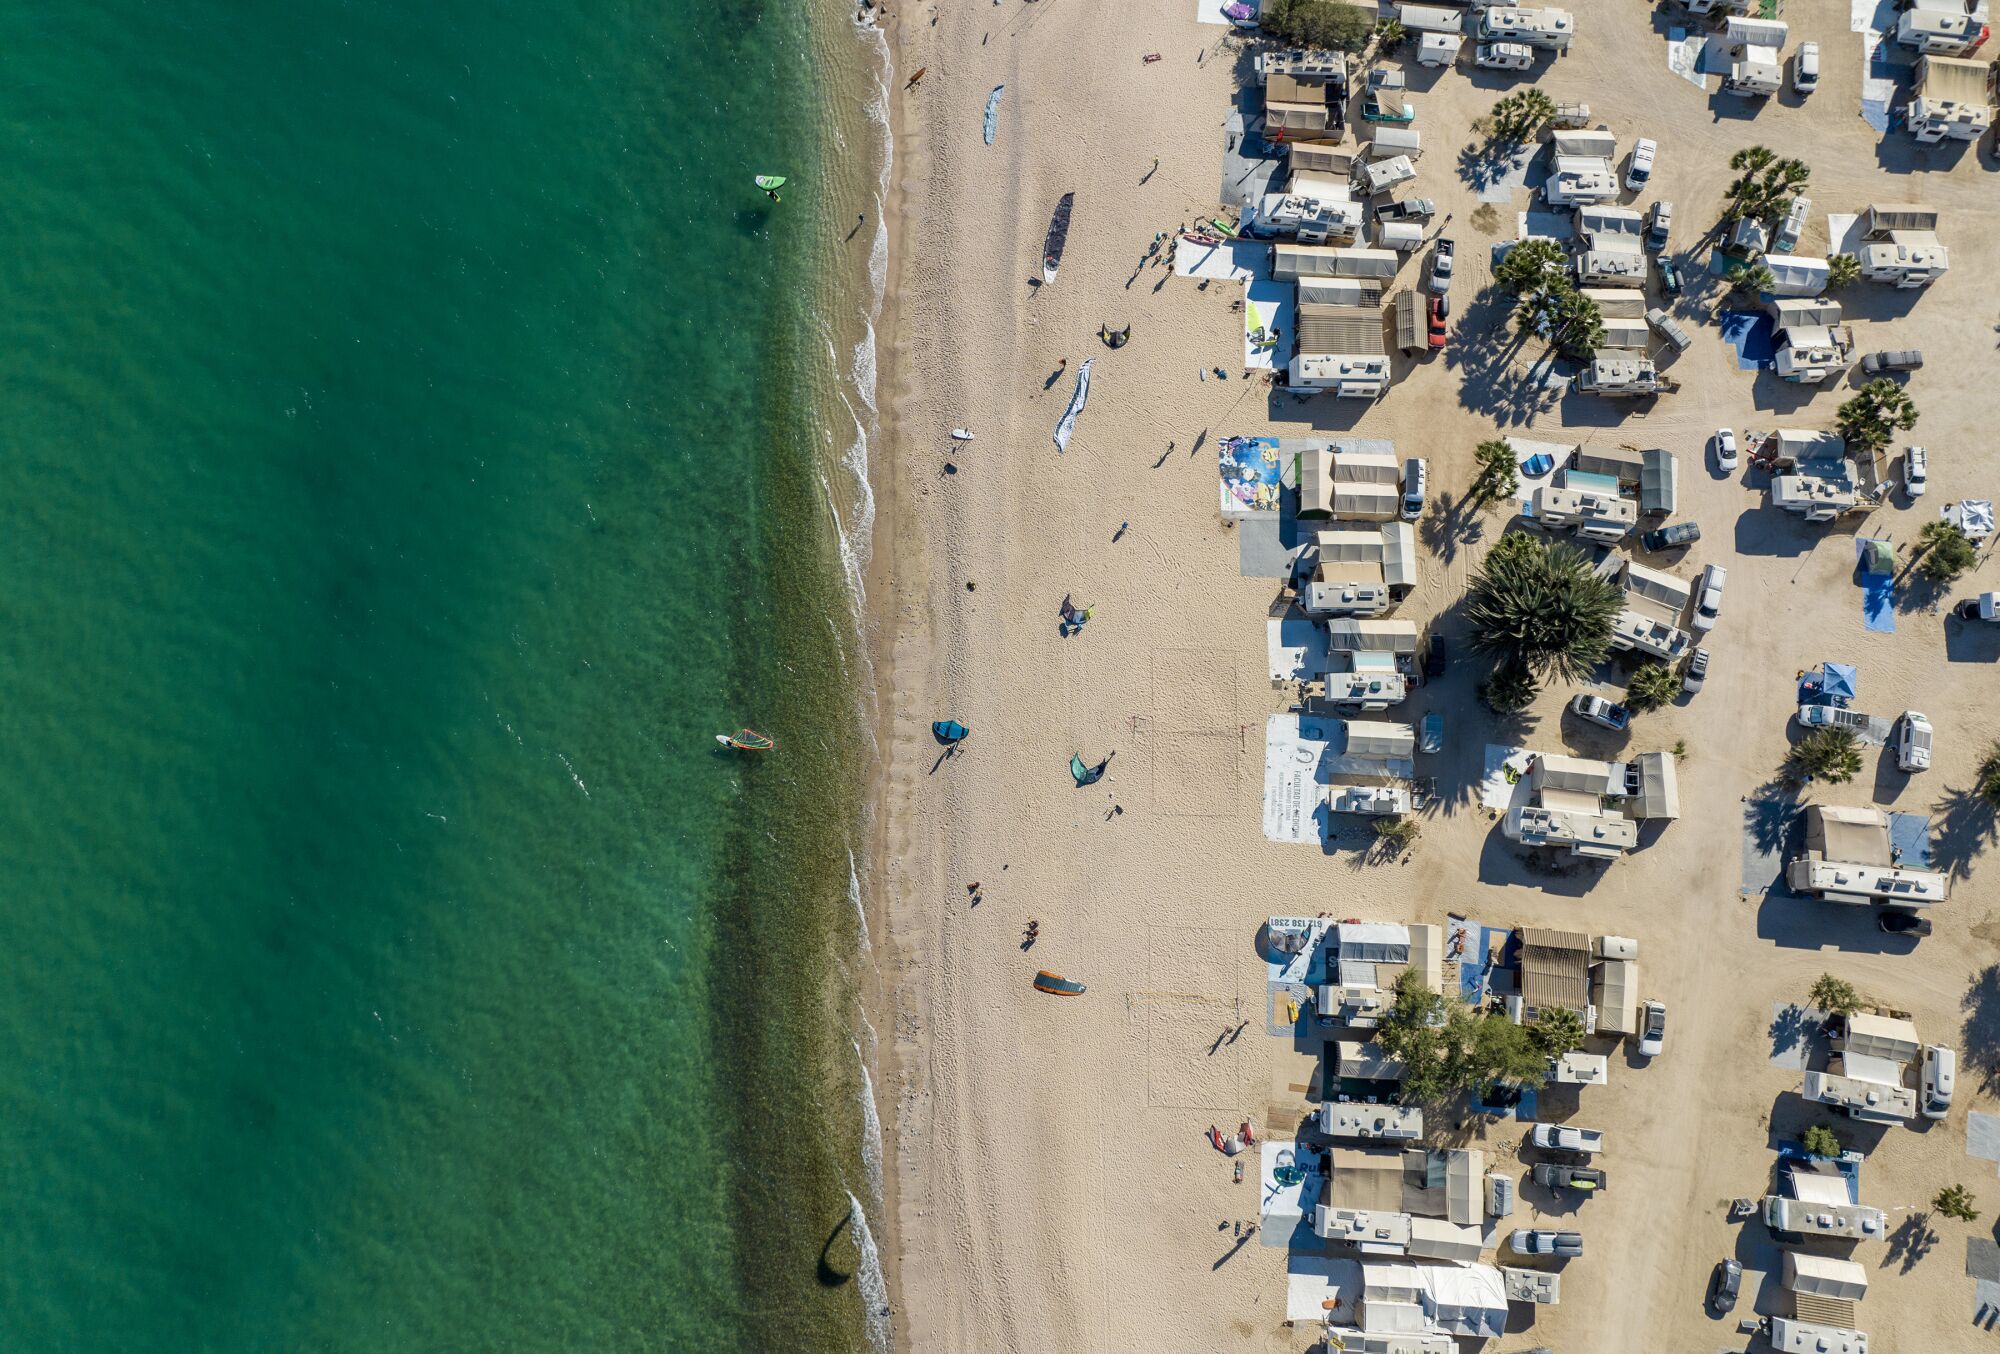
<point>960,435</point>
<point>1056,985</point>
<point>1058,236</point>
<point>747,740</point>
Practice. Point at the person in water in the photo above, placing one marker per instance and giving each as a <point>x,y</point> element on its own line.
<point>772,194</point>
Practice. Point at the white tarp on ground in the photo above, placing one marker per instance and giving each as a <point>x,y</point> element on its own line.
<point>1294,794</point>
<point>1224,261</point>
<point>1297,648</point>
<point>1684,56</point>
<point>1525,451</point>
<point>1876,94</point>
<point>1496,791</point>
<point>1312,1280</point>
<point>1268,305</point>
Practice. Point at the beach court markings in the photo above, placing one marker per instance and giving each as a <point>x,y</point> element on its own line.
<point>1197,768</point>
<point>1195,998</point>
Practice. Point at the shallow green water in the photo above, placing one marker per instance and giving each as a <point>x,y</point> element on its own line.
<point>400,483</point>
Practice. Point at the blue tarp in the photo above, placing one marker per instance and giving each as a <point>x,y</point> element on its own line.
<point>1878,603</point>
<point>1751,334</point>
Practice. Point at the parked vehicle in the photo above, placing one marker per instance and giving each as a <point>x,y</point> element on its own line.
<point>1940,1073</point>
<point>1697,671</point>
<point>1724,1285</point>
<point>1893,359</point>
<point>1726,456</point>
<point>1416,483</point>
<point>1441,263</point>
<point>1793,226</point>
<point>1708,598</point>
<point>1913,742</point>
<point>1534,1241</point>
<point>1659,221</point>
<point>1439,331</point>
<point>1598,710</point>
<point>1900,921</point>
<point>1551,1175</point>
<point>1410,209</point>
<point>1805,68</point>
<point>1435,659</point>
<point>1984,607</point>
<point>1670,277</point>
<point>1673,537</point>
<point>1567,1138</point>
<point>1653,1029</point>
<point>1504,56</point>
<point>1641,169</point>
<point>1916,471</point>
<point>1668,328</point>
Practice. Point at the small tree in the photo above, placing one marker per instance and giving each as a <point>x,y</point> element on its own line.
<point>1820,1141</point>
<point>1530,265</point>
<point>1511,689</point>
<point>1955,1201</point>
<point>1842,270</point>
<point>1325,24</point>
<point>1557,1031</point>
<point>1652,686</point>
<point>1836,996</point>
<point>1397,831</point>
<point>1947,551</point>
<point>1828,754</point>
<point>1498,471</point>
<point>1753,280</point>
<point>1986,780</point>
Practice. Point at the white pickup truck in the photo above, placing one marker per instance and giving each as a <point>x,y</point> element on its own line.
<point>1567,1138</point>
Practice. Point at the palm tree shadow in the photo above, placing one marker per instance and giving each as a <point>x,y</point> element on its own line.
<point>1981,1031</point>
<point>829,1277</point>
<point>1962,825</point>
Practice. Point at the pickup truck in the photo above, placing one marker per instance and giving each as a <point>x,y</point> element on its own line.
<point>1984,607</point>
<point>1567,1138</point>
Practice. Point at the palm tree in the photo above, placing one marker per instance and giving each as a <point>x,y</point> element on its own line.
<point>1511,689</point>
<point>1986,780</point>
<point>1880,408</point>
<point>1652,686</point>
<point>1947,551</point>
<point>1842,269</point>
<point>1498,471</point>
<point>1530,265</point>
<point>1835,996</point>
<point>1556,1031</point>
<point>1579,325</point>
<point>1541,607</point>
<point>1764,185</point>
<point>1751,281</point>
<point>1389,35</point>
<point>1828,754</point>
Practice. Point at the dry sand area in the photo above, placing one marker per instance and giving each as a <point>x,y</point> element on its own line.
<point>1052,1181</point>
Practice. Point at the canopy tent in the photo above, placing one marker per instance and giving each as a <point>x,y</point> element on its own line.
<point>1829,684</point>
<point>1973,516</point>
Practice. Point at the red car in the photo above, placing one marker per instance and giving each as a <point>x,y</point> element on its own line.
<point>1437,322</point>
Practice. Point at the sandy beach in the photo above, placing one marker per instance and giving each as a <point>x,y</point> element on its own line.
<point>1051,1177</point>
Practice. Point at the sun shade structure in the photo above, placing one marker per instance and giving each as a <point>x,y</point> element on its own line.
<point>1555,969</point>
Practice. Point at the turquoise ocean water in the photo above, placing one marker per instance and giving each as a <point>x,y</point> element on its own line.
<point>409,460</point>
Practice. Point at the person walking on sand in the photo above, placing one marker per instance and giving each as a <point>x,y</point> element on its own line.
<point>1062,365</point>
